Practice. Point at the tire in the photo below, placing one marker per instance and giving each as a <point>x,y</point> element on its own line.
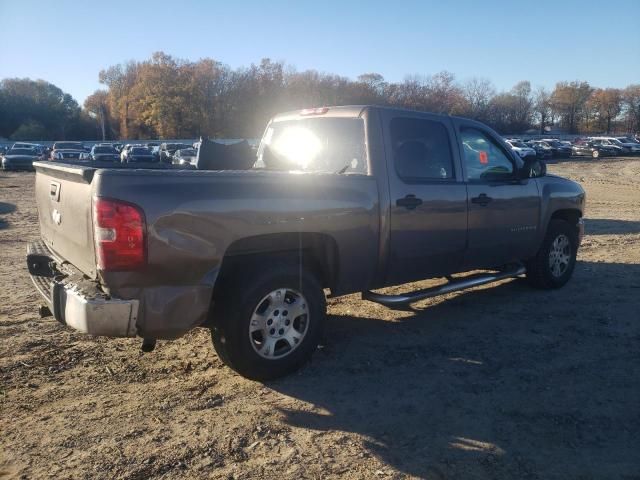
<point>555,261</point>
<point>595,154</point>
<point>240,331</point>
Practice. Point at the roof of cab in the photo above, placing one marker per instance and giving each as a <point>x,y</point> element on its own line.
<point>348,111</point>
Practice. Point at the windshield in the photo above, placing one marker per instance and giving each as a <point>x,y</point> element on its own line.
<point>103,150</point>
<point>519,144</point>
<point>140,151</point>
<point>68,146</point>
<point>21,151</point>
<point>315,144</point>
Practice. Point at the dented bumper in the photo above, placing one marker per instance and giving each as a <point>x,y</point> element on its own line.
<point>78,304</point>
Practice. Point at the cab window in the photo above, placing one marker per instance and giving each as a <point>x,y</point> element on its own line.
<point>421,150</point>
<point>484,159</point>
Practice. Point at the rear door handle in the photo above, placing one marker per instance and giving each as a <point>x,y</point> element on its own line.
<point>410,202</point>
<point>482,200</point>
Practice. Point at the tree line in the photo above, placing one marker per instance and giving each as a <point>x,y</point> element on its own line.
<point>167,97</point>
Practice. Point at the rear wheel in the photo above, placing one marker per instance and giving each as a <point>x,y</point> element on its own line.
<point>269,323</point>
<point>554,263</point>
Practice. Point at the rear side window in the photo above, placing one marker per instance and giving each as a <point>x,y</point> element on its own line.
<point>483,157</point>
<point>421,149</point>
<point>327,144</point>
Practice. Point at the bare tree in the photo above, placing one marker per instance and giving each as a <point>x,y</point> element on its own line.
<point>478,93</point>
<point>542,107</point>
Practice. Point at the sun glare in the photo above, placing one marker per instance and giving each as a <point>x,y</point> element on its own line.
<point>299,145</point>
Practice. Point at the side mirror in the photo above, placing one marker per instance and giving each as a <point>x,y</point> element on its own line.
<point>533,168</point>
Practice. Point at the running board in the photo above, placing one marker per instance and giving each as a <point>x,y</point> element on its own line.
<point>451,286</point>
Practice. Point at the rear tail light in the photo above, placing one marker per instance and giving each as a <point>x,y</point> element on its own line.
<point>119,233</point>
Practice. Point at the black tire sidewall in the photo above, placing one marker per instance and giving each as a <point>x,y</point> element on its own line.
<point>232,327</point>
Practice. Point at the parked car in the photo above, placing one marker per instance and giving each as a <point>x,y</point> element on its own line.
<point>594,149</point>
<point>543,151</point>
<point>350,199</point>
<point>167,150</point>
<point>104,153</point>
<point>616,146</point>
<point>521,148</point>
<point>558,149</point>
<point>138,154</point>
<point>628,139</point>
<point>627,147</point>
<point>185,156</point>
<point>67,151</point>
<point>35,146</point>
<point>20,159</point>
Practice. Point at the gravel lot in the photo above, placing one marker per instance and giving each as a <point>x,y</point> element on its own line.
<point>499,382</point>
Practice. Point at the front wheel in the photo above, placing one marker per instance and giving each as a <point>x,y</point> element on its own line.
<point>269,323</point>
<point>595,154</point>
<point>553,265</point>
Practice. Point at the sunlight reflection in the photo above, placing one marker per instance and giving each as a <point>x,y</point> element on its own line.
<point>471,445</point>
<point>298,145</point>
<point>466,360</point>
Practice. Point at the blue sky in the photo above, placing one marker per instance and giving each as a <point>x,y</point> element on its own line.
<point>68,43</point>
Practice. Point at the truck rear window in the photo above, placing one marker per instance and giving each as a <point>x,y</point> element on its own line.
<point>333,145</point>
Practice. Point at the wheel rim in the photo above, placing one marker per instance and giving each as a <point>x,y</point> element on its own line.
<point>596,154</point>
<point>560,255</point>
<point>279,323</point>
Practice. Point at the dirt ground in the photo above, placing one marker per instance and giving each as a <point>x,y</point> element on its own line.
<point>499,382</point>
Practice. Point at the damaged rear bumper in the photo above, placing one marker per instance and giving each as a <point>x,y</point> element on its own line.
<point>79,303</point>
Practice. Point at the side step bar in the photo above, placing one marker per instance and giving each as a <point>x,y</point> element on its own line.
<point>451,286</point>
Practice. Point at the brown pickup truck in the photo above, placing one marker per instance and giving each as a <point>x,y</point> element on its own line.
<point>342,199</point>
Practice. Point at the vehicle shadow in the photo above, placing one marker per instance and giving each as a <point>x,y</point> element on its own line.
<point>502,382</point>
<point>5,208</point>
<point>606,226</point>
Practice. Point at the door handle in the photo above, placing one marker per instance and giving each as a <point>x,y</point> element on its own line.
<point>410,202</point>
<point>482,200</point>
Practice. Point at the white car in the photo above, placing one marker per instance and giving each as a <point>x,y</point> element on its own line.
<point>521,148</point>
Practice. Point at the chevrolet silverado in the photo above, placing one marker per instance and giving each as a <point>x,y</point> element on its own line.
<point>339,200</point>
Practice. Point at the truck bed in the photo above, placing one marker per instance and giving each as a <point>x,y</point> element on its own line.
<point>196,218</point>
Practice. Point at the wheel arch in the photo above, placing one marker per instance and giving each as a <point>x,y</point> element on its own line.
<point>316,251</point>
<point>570,215</point>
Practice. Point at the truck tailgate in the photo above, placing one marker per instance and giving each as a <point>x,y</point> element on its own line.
<point>63,196</point>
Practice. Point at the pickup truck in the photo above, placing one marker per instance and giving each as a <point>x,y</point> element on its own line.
<point>340,200</point>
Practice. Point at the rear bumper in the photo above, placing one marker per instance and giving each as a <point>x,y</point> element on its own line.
<point>79,304</point>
